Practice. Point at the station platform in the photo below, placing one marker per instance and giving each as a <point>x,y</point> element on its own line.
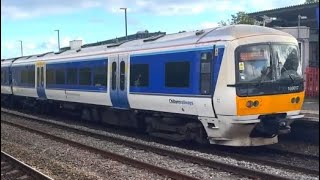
<point>310,109</point>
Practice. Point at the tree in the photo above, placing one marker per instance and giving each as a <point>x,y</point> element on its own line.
<point>311,1</point>
<point>239,18</point>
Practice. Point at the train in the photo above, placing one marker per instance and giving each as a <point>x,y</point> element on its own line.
<point>236,85</point>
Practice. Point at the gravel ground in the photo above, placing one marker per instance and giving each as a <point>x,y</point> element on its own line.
<point>61,161</point>
<point>126,150</point>
<point>303,148</point>
<point>192,169</point>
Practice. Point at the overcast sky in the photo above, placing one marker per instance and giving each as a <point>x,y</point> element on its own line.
<point>34,21</point>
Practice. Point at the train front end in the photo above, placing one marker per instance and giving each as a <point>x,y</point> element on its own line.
<point>269,83</point>
<point>260,91</point>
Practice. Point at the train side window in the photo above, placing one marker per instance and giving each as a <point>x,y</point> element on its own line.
<point>60,76</point>
<point>50,75</point>
<point>4,76</point>
<point>139,75</point>
<point>206,71</point>
<point>72,76</point>
<point>31,75</point>
<point>85,76</point>
<point>122,75</point>
<point>177,74</point>
<point>114,75</point>
<point>100,75</point>
<point>24,77</point>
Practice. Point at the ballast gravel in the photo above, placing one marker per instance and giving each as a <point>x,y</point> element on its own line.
<point>81,162</point>
<point>196,170</point>
<point>61,161</point>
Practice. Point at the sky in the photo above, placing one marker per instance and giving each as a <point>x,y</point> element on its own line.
<point>34,21</point>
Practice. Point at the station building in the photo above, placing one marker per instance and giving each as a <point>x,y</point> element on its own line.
<point>302,22</point>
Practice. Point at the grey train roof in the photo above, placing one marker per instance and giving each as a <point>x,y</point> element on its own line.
<point>226,33</point>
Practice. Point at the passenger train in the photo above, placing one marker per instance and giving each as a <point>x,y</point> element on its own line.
<point>238,85</point>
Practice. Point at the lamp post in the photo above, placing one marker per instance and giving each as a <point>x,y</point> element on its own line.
<point>58,39</point>
<point>299,18</point>
<point>125,13</point>
<point>21,49</point>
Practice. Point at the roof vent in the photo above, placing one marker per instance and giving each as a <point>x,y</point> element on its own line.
<point>116,44</point>
<point>41,55</point>
<point>75,44</point>
<point>199,32</point>
<point>61,51</point>
<point>153,38</point>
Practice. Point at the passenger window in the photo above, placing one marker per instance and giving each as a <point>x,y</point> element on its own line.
<point>114,75</point>
<point>85,76</point>
<point>72,76</point>
<point>177,74</point>
<point>31,75</point>
<point>60,76</point>
<point>4,76</point>
<point>205,70</point>
<point>24,76</point>
<point>50,76</point>
<point>122,75</point>
<point>139,75</point>
<point>100,76</point>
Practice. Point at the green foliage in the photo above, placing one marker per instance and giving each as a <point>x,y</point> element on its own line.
<point>239,18</point>
<point>311,1</point>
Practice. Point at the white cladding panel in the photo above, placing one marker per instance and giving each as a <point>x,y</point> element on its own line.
<point>22,91</point>
<point>200,106</point>
<point>97,98</point>
<point>5,90</point>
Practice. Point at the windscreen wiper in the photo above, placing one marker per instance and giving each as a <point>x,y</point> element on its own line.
<point>293,81</point>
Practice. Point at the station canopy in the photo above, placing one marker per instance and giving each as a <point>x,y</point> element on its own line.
<point>288,16</point>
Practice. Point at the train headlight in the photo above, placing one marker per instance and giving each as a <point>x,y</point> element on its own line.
<point>297,99</point>
<point>293,100</point>
<point>255,103</point>
<point>249,104</point>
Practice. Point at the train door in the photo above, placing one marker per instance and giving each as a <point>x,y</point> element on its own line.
<point>40,81</point>
<point>119,81</point>
<point>207,74</point>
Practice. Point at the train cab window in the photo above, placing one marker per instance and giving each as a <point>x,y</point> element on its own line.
<point>100,75</point>
<point>139,75</point>
<point>177,74</point>
<point>205,70</point>
<point>72,76</point>
<point>60,76</point>
<point>85,76</point>
<point>50,76</point>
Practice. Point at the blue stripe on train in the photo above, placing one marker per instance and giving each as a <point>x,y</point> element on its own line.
<point>157,63</point>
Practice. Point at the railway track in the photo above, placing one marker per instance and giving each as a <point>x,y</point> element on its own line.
<point>189,158</point>
<point>12,168</point>
<point>107,154</point>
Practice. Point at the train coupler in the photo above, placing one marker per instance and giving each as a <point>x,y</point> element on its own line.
<point>269,128</point>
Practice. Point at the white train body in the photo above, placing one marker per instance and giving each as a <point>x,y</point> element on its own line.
<point>212,94</point>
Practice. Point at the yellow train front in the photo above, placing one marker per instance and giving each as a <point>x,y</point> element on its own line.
<point>260,88</point>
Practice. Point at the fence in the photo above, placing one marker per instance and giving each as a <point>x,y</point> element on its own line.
<point>312,81</point>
